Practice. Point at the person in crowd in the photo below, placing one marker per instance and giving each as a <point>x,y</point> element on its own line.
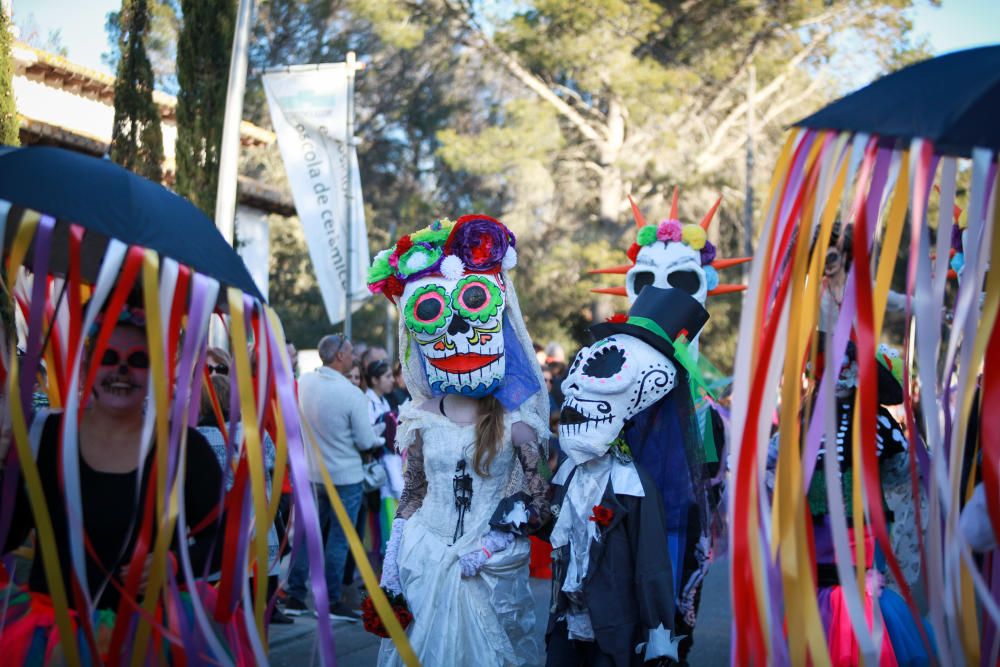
<point>210,427</point>
<point>113,480</point>
<point>353,375</point>
<point>218,361</point>
<point>473,436</point>
<point>381,383</point>
<point>399,394</point>
<point>336,415</point>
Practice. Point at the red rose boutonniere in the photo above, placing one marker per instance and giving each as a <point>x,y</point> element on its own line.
<point>602,515</point>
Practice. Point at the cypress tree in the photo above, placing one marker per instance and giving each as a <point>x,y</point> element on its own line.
<point>9,135</point>
<point>136,139</point>
<point>9,125</point>
<point>203,52</point>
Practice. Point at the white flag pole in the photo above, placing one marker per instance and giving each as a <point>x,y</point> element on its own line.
<point>229,151</point>
<point>348,199</point>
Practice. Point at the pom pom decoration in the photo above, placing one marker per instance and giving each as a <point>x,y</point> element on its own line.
<point>646,235</point>
<point>380,269</point>
<point>711,277</point>
<point>694,236</point>
<point>633,252</point>
<point>708,253</point>
<point>452,267</point>
<point>669,230</point>
<point>509,259</point>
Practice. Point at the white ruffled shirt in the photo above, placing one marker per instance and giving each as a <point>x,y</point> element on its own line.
<point>574,527</point>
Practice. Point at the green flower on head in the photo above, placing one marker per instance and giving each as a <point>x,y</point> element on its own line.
<point>436,233</point>
<point>646,235</point>
<point>380,269</point>
<point>421,258</point>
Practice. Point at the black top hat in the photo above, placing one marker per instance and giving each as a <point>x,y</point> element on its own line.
<point>658,317</point>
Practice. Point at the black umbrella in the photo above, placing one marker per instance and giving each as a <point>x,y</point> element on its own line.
<point>112,202</point>
<point>951,100</point>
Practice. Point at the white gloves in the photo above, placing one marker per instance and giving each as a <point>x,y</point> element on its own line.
<point>492,542</point>
<point>390,568</point>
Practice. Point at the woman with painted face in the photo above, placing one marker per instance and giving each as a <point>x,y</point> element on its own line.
<point>114,476</point>
<point>473,435</point>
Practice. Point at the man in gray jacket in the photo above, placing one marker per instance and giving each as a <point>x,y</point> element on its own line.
<point>336,413</point>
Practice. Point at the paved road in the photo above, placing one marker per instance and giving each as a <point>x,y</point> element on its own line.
<point>295,645</point>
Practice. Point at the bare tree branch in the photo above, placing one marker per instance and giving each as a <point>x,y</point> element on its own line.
<point>534,83</point>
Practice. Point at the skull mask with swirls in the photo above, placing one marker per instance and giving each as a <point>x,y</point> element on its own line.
<point>609,382</point>
<point>458,326</point>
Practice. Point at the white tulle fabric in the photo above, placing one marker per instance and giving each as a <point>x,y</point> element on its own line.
<point>483,620</point>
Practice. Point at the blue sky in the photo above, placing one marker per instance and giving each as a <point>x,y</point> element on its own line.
<point>956,24</point>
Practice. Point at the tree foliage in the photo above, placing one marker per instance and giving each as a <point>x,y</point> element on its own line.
<point>136,137</point>
<point>9,123</point>
<point>160,39</point>
<point>548,113</point>
<point>204,48</point>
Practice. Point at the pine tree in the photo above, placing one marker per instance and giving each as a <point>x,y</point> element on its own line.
<point>136,139</point>
<point>8,114</point>
<point>203,52</point>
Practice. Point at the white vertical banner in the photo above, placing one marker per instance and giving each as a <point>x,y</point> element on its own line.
<point>308,106</point>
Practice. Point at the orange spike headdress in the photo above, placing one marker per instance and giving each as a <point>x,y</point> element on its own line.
<point>669,248</point>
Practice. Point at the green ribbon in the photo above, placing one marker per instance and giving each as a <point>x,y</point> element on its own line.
<point>681,352</point>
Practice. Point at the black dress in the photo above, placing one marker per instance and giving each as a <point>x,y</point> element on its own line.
<point>111,513</point>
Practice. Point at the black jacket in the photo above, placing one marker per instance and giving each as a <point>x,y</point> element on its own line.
<point>629,584</point>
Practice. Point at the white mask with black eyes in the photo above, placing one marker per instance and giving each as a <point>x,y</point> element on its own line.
<point>613,380</point>
<point>668,264</point>
<point>458,326</point>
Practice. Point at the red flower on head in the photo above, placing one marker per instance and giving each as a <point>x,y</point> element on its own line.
<point>393,287</point>
<point>618,318</point>
<point>403,244</point>
<point>633,252</point>
<point>602,515</point>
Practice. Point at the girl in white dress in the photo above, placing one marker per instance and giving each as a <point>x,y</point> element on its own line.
<point>471,435</point>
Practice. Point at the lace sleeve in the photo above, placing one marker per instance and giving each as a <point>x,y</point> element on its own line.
<point>529,455</point>
<point>414,481</point>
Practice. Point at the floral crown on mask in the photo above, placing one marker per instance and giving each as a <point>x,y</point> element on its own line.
<point>471,244</point>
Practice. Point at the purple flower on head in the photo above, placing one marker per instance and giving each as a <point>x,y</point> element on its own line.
<point>707,253</point>
<point>480,242</point>
<point>669,230</point>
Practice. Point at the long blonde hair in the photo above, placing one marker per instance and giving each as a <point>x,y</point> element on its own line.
<point>489,434</point>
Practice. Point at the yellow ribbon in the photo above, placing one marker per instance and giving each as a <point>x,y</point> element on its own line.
<point>382,605</point>
<point>29,468</point>
<point>252,442</point>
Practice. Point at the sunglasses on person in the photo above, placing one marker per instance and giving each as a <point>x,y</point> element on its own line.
<point>137,357</point>
<point>217,369</point>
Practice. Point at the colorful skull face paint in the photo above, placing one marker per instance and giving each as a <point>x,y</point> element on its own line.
<point>613,380</point>
<point>669,264</point>
<point>458,326</point>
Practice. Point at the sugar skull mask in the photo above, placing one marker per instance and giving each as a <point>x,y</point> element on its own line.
<point>671,264</point>
<point>458,326</point>
<point>613,380</point>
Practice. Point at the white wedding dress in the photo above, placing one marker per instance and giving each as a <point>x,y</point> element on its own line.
<point>478,621</point>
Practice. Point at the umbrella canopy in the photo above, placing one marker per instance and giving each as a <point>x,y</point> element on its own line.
<point>115,203</point>
<point>951,100</point>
